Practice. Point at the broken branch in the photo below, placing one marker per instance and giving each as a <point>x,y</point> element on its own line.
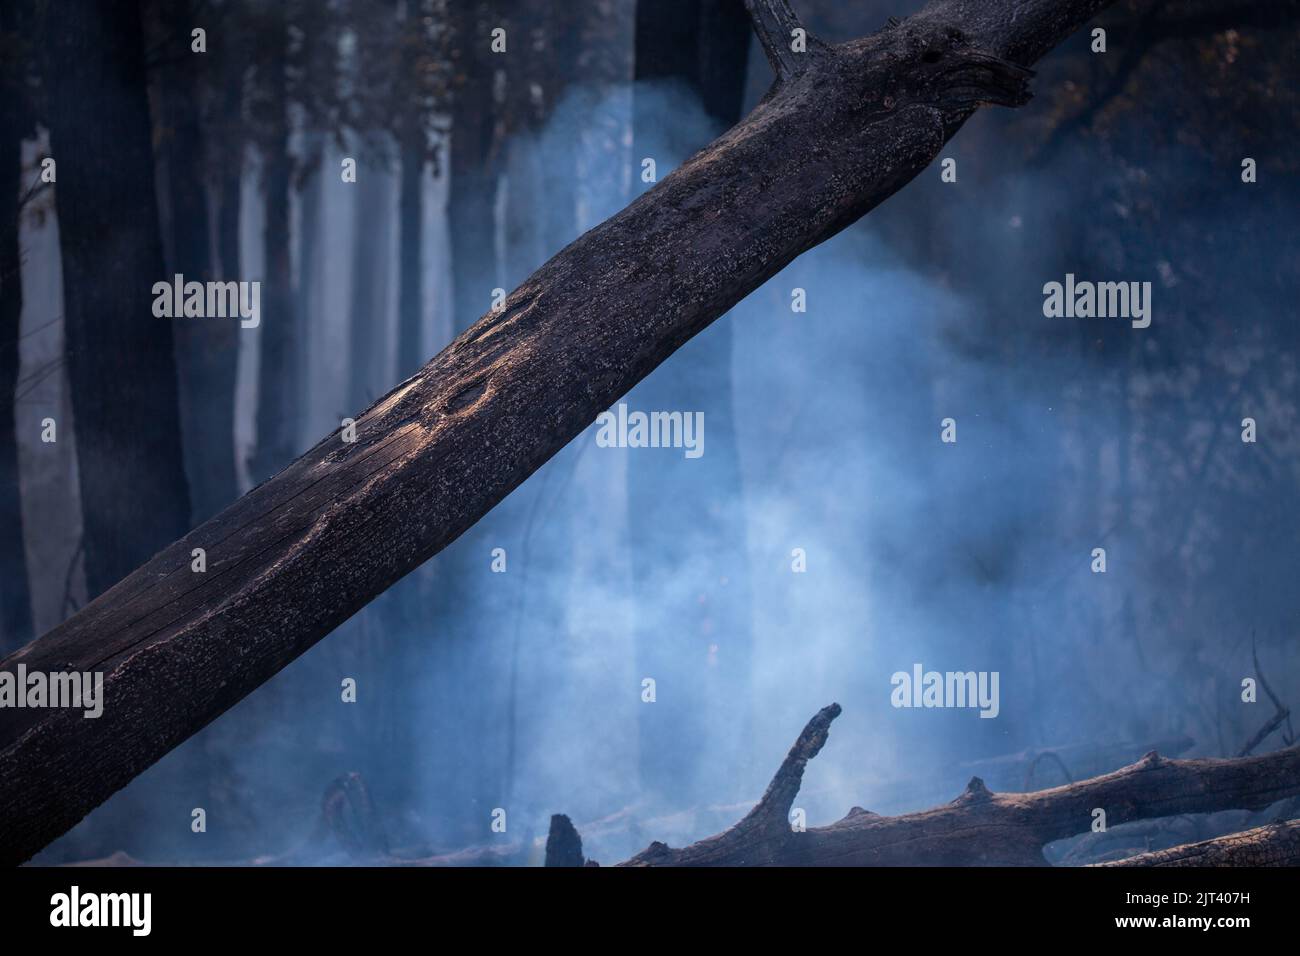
<point>1281,712</point>
<point>776,25</point>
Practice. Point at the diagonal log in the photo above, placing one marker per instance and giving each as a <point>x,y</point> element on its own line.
<point>982,828</point>
<point>298,555</point>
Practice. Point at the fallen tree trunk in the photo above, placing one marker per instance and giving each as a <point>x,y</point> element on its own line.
<point>844,127</point>
<point>980,828</point>
<point>1275,845</point>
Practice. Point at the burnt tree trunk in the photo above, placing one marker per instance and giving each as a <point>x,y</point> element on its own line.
<point>1275,845</point>
<point>207,350</point>
<point>310,187</point>
<point>844,128</point>
<point>475,162</point>
<point>369,267</point>
<point>15,124</point>
<point>413,155</point>
<point>563,30</point>
<point>120,358</point>
<point>278,390</point>
<point>410,294</point>
<point>980,827</point>
<point>230,130</point>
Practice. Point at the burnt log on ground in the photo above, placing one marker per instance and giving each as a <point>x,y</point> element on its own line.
<point>1277,844</point>
<point>980,827</point>
<point>843,128</point>
<point>1032,769</point>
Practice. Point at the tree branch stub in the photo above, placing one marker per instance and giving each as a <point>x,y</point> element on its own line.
<point>781,34</point>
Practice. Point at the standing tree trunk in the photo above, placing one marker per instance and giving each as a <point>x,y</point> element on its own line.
<point>844,128</point>
<point>564,46</point>
<point>306,292</point>
<point>471,208</point>
<point>15,124</point>
<point>410,294</point>
<point>278,393</point>
<point>121,363</point>
<point>370,256</point>
<point>207,350</point>
<point>230,131</point>
<point>413,154</point>
<point>696,643</point>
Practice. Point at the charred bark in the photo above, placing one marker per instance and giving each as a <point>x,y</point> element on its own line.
<point>301,553</point>
<point>1275,845</point>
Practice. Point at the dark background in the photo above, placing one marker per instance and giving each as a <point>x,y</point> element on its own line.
<point>522,690</point>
